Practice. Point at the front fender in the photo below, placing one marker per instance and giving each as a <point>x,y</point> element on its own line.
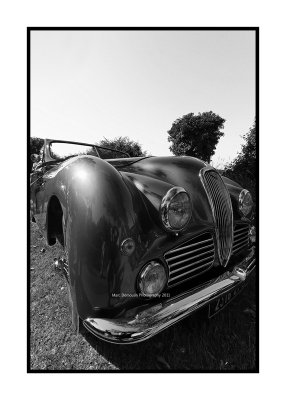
<point>102,211</point>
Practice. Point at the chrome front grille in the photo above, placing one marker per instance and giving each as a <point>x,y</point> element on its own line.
<point>220,203</point>
<point>240,238</point>
<point>190,258</point>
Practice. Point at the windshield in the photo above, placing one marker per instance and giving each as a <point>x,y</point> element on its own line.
<point>62,150</point>
<point>106,153</point>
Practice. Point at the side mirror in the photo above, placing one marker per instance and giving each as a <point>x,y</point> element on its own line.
<point>35,158</point>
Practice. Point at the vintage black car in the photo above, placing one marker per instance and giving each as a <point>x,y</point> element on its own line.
<point>148,240</point>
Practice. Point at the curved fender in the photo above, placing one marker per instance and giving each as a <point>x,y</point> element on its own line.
<point>102,210</point>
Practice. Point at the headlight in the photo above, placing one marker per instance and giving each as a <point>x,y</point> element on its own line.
<point>175,209</point>
<point>152,279</point>
<point>245,202</point>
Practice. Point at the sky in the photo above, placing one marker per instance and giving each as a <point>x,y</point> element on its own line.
<point>86,85</point>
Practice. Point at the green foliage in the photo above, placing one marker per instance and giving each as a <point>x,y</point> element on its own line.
<point>243,168</point>
<point>123,143</point>
<point>196,135</point>
<point>36,145</point>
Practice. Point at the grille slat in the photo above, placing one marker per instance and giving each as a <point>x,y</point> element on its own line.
<point>206,266</point>
<point>240,245</point>
<point>189,260</point>
<point>202,251</point>
<point>190,252</point>
<point>241,235</point>
<point>220,203</point>
<point>238,229</point>
<point>188,246</point>
<point>240,240</point>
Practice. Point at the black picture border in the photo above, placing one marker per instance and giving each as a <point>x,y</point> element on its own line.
<point>119,28</point>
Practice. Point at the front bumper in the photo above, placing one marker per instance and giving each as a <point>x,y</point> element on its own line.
<point>156,318</point>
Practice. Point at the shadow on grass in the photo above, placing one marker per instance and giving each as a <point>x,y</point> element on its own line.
<point>225,342</point>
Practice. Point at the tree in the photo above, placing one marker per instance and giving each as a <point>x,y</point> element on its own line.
<point>196,135</point>
<point>123,143</point>
<point>243,168</point>
<point>36,145</point>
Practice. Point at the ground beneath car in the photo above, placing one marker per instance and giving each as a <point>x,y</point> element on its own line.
<point>225,342</point>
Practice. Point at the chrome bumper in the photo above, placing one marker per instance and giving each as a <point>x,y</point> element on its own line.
<point>159,317</point>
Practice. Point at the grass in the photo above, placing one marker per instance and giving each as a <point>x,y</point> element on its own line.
<point>224,343</point>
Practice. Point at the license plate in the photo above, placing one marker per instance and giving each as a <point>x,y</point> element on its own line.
<point>218,304</point>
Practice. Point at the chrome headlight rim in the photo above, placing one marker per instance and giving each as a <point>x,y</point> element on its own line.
<point>241,197</point>
<point>144,272</point>
<point>165,205</point>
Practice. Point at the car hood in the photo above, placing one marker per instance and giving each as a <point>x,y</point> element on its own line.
<point>154,176</point>
<point>172,170</point>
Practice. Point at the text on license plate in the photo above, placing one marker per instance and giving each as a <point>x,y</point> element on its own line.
<point>218,304</point>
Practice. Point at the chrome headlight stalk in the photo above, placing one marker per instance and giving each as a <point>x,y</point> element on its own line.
<point>127,246</point>
<point>176,209</point>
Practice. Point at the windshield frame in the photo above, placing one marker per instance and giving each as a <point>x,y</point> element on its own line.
<point>83,144</point>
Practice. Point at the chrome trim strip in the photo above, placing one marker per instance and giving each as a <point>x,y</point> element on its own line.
<point>188,246</point>
<point>216,201</point>
<point>195,255</point>
<point>241,240</point>
<point>200,249</point>
<point>252,264</point>
<point>190,270</point>
<point>244,228</point>
<point>239,249</point>
<point>155,319</point>
<point>240,234</point>
<point>189,261</point>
